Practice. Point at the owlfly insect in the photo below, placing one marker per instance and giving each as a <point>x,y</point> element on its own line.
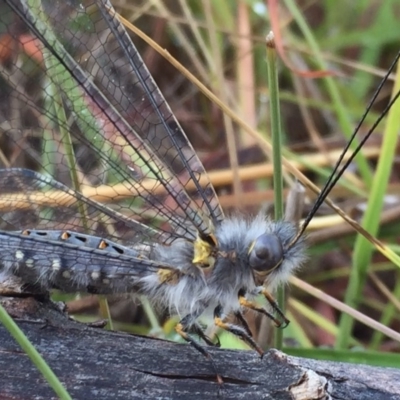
<point>88,102</point>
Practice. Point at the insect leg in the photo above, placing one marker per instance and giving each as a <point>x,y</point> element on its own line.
<point>274,306</point>
<point>254,306</point>
<point>182,328</point>
<point>198,330</point>
<point>238,314</point>
<point>237,330</point>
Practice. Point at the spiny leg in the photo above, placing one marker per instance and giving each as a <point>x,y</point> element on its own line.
<point>198,330</point>
<point>253,306</point>
<point>275,306</point>
<point>239,316</point>
<point>182,328</point>
<point>237,330</point>
<point>244,302</point>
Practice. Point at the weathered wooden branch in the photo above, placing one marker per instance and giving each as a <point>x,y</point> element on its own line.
<point>97,364</point>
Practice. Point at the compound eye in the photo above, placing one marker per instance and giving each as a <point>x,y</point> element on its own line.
<point>266,253</point>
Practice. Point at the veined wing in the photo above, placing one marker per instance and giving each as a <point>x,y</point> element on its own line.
<point>31,199</point>
<point>93,83</point>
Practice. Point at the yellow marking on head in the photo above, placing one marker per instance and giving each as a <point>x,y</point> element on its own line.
<point>251,246</point>
<point>263,275</point>
<point>276,266</point>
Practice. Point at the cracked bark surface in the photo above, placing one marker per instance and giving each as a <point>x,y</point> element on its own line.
<point>97,364</point>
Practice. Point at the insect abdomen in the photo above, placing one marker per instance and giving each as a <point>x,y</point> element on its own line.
<point>42,260</point>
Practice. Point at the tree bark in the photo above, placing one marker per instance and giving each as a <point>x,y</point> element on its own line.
<point>96,364</point>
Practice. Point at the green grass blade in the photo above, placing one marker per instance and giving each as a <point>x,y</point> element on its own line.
<point>55,71</point>
<point>387,316</point>
<point>363,249</point>
<point>33,354</point>
<point>355,357</point>
<point>339,106</point>
<point>276,133</point>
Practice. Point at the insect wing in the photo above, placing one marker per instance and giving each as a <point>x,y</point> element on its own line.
<point>31,199</point>
<point>92,83</point>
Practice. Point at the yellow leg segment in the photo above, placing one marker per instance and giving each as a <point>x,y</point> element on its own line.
<point>239,332</point>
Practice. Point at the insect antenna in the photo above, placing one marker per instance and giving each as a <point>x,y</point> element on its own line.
<point>339,170</point>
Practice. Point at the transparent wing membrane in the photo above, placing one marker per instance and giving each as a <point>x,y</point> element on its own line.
<point>84,110</point>
<point>35,200</point>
